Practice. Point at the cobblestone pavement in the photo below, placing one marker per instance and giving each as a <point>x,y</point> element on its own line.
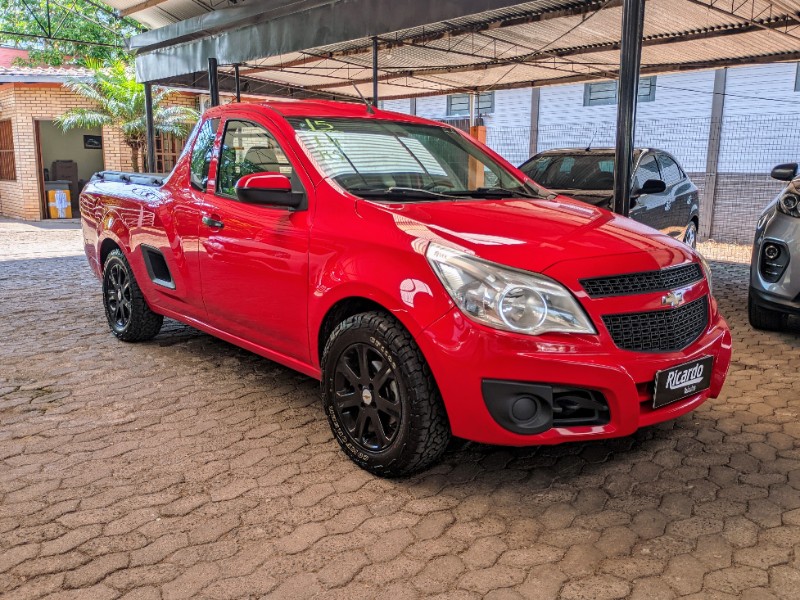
<point>187,468</point>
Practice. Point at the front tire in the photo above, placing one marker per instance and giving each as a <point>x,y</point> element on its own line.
<point>763,318</point>
<point>128,314</point>
<point>690,237</point>
<point>380,398</point>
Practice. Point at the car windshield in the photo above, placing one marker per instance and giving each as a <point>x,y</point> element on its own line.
<point>572,171</point>
<point>402,161</point>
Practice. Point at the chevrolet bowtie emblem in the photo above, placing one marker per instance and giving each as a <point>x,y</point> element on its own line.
<point>672,299</point>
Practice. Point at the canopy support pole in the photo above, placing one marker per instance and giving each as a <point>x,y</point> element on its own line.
<point>630,58</point>
<point>238,83</point>
<point>150,133</point>
<point>375,71</point>
<point>213,82</point>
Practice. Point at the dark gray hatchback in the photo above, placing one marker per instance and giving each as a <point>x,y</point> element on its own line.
<point>673,207</point>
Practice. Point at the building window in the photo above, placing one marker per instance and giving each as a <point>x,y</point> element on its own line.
<point>797,79</point>
<point>596,94</point>
<point>458,104</point>
<point>168,149</point>
<point>8,167</point>
<point>605,92</point>
<point>647,89</point>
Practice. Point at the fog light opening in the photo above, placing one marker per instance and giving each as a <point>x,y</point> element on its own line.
<point>524,409</point>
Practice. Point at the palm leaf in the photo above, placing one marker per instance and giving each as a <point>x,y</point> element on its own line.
<point>119,101</point>
<point>82,118</point>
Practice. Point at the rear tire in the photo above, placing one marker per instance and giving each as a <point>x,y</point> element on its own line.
<point>380,398</point>
<point>128,314</point>
<point>763,318</point>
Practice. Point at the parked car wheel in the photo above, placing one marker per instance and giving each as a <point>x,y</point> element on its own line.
<point>128,314</point>
<point>763,318</point>
<point>690,237</point>
<point>380,397</point>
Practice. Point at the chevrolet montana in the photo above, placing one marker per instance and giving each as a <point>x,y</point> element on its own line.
<point>431,287</point>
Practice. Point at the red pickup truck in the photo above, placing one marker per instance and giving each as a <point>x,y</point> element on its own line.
<point>430,286</point>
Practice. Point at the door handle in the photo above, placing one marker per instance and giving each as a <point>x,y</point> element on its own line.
<point>208,221</point>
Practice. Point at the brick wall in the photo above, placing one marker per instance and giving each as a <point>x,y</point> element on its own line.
<point>24,104</point>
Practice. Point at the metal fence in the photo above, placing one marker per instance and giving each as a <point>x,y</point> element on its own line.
<point>732,195</point>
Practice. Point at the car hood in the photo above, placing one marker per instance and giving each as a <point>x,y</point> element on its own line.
<point>532,235</point>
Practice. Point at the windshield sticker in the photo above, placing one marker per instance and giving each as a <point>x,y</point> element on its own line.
<point>319,125</point>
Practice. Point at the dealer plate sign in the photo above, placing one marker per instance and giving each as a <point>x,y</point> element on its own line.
<point>682,381</point>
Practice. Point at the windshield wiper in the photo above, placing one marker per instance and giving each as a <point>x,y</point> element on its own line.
<point>403,192</point>
<point>498,192</point>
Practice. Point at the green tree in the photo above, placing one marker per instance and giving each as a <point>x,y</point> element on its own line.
<point>59,31</point>
<point>119,102</point>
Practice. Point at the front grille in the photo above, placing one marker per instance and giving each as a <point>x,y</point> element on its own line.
<point>666,330</point>
<point>643,283</point>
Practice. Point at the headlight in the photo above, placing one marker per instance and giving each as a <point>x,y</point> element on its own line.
<point>504,298</point>
<point>709,276</point>
<point>789,204</point>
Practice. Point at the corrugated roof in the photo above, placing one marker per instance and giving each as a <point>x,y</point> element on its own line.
<point>533,43</point>
<point>42,74</point>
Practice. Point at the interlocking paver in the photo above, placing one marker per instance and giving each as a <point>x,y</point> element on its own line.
<point>186,467</point>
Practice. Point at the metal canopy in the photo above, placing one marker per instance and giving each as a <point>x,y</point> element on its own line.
<point>425,48</point>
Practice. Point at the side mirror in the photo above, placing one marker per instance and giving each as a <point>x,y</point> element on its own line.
<point>273,189</point>
<point>651,186</point>
<point>785,172</point>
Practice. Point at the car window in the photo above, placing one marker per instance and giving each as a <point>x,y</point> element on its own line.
<point>669,169</point>
<point>201,152</point>
<point>573,172</point>
<point>536,167</point>
<point>648,169</point>
<point>372,157</point>
<point>249,148</point>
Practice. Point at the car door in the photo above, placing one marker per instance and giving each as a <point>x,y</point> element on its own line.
<point>254,258</point>
<point>180,289</point>
<point>648,208</point>
<point>679,189</point>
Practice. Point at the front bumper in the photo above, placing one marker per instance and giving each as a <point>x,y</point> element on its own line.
<point>782,230</point>
<point>774,303</point>
<point>462,354</point>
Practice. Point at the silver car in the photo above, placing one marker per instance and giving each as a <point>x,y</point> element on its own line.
<point>775,267</point>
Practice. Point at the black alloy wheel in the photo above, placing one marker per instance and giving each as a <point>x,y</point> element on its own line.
<point>118,297</point>
<point>367,397</point>
<point>379,395</point>
<point>129,316</point>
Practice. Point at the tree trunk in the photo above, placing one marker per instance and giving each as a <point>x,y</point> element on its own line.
<point>134,157</point>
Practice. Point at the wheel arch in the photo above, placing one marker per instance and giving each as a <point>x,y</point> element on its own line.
<point>343,309</point>
<point>106,247</point>
<point>113,233</point>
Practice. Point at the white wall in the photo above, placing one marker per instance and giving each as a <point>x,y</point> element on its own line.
<point>762,90</point>
<point>760,118</point>
<point>401,106</point>
<point>57,145</point>
<point>432,107</point>
<point>686,94</point>
<point>512,108</point>
<point>676,121</point>
<point>759,130</point>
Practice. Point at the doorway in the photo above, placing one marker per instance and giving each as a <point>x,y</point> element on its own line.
<point>67,160</point>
